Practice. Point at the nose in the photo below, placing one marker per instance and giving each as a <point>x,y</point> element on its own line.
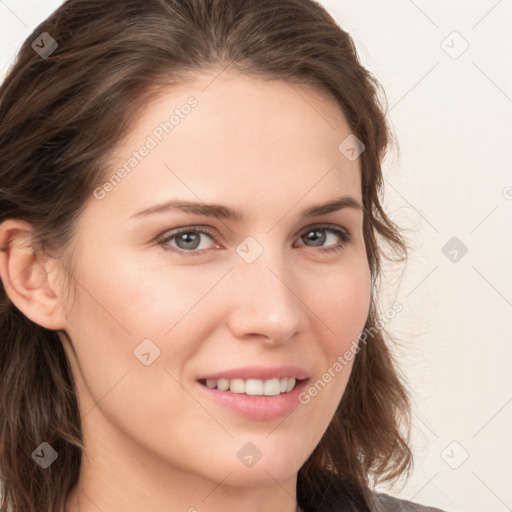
<point>265,300</point>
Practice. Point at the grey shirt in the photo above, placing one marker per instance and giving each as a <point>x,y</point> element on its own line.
<point>382,502</point>
<point>385,503</point>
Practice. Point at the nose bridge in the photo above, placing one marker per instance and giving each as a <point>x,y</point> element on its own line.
<point>264,300</point>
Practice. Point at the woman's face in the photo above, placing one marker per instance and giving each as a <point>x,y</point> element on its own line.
<point>256,298</point>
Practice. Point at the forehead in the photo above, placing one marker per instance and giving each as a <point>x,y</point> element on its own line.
<point>227,136</point>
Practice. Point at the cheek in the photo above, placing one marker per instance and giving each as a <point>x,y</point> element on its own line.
<point>343,304</point>
<point>344,309</point>
<point>139,300</point>
<point>116,309</point>
<point>118,306</point>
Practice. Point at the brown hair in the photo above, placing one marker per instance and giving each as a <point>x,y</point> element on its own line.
<point>61,117</point>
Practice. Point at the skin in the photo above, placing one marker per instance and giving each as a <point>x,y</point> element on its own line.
<point>153,442</point>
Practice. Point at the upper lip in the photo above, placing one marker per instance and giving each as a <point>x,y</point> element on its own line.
<point>259,372</point>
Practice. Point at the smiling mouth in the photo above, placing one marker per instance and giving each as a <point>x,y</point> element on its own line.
<point>253,387</point>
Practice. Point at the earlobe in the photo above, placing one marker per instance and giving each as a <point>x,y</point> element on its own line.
<point>26,279</point>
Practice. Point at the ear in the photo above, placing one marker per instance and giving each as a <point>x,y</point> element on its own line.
<point>27,278</point>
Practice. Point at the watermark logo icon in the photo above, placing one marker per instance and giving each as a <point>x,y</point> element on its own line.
<point>249,249</point>
<point>44,44</point>
<point>454,249</point>
<point>249,455</point>
<point>351,147</point>
<point>44,455</point>
<point>454,45</point>
<point>455,455</point>
<point>146,352</point>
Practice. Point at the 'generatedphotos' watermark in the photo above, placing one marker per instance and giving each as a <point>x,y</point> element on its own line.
<point>152,140</point>
<point>343,359</point>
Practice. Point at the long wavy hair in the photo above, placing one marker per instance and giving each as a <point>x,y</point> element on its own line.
<point>62,115</point>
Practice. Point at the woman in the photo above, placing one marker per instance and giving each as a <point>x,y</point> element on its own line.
<point>191,238</point>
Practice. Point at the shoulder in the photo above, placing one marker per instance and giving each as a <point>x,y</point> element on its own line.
<point>384,503</point>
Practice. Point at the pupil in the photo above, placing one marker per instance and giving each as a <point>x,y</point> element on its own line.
<point>185,237</point>
<point>320,238</point>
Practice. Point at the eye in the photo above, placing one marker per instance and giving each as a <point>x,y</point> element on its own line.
<point>188,239</point>
<point>318,236</point>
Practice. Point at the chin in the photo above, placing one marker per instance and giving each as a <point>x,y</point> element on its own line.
<point>276,463</point>
<point>262,475</point>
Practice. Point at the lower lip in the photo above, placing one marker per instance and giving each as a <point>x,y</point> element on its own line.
<point>257,407</point>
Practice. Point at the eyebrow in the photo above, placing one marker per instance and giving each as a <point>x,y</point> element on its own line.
<point>220,211</point>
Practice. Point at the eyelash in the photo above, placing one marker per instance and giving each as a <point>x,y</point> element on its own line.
<point>345,236</point>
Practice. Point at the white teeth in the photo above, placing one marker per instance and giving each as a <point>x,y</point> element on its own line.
<point>270,387</point>
<point>253,387</point>
<point>223,384</point>
<point>237,386</point>
<point>291,384</point>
